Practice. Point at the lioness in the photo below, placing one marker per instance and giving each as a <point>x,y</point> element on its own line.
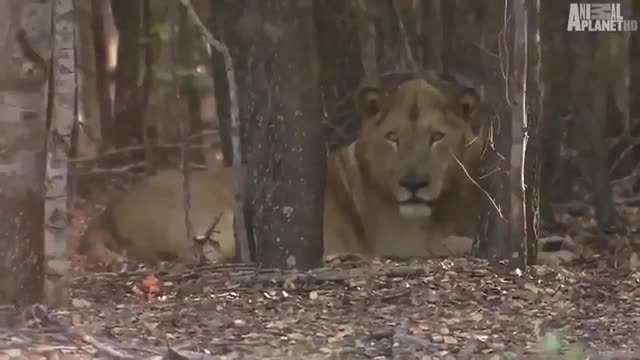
<point>402,188</point>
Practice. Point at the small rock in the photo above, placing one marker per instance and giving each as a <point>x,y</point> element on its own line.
<point>498,346</point>
<point>80,303</point>
<point>239,323</point>
<point>450,340</point>
<point>296,336</point>
<point>437,338</point>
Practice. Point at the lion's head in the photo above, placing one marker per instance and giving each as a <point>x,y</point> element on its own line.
<point>415,131</point>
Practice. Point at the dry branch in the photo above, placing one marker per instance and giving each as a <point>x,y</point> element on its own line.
<point>240,228</point>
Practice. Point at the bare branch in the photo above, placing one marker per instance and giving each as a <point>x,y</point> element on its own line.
<point>243,249</point>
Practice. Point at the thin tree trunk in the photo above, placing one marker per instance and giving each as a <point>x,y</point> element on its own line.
<point>105,104</point>
<point>238,27</point>
<point>341,66</point>
<point>519,120</point>
<point>127,119</point>
<point>535,123</point>
<point>431,38</point>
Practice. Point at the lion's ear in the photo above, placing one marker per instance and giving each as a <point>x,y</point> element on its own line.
<point>466,103</point>
<point>369,102</point>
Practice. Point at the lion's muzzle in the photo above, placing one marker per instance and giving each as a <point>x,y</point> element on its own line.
<point>410,195</point>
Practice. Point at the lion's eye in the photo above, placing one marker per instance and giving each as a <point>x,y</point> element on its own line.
<point>436,136</point>
<point>392,137</point>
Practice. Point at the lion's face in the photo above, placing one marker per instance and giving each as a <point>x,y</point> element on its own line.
<point>413,137</point>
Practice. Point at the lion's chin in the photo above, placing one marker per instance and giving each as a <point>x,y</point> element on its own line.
<point>415,210</point>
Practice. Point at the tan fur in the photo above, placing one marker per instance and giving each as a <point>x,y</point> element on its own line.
<point>414,129</point>
<point>373,167</point>
<point>148,220</point>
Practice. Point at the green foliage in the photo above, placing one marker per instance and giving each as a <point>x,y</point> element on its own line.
<point>168,79</point>
<point>552,350</point>
<point>161,31</point>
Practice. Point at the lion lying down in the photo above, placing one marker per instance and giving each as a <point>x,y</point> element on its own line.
<point>399,189</point>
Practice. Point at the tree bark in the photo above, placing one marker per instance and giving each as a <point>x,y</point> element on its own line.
<point>238,28</point>
<point>105,104</point>
<point>504,226</point>
<point>64,110</point>
<point>516,246</point>
<point>288,164</point>
<point>341,66</point>
<point>127,114</point>
<point>556,180</point>
<point>24,75</point>
<point>535,122</point>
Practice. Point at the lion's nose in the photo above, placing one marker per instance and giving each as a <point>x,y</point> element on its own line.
<point>413,183</point>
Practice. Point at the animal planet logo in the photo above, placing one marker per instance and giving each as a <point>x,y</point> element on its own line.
<point>599,17</point>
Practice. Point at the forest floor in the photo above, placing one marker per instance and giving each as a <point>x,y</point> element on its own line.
<point>420,309</point>
<point>353,309</point>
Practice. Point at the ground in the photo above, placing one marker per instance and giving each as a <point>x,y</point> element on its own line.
<point>421,309</point>
<point>352,309</point>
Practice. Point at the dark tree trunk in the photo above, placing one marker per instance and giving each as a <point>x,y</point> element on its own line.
<point>504,226</point>
<point>590,56</point>
<point>391,41</point>
<point>287,164</point>
<point>224,19</point>
<point>21,223</point>
<point>430,38</point>
<point>102,75</point>
<point>341,66</point>
<point>535,123</point>
<point>127,113</point>
<point>238,26</point>
<point>556,180</point>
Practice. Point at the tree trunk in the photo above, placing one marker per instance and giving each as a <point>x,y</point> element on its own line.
<point>237,27</point>
<point>127,114</point>
<point>24,78</point>
<point>556,181</point>
<point>535,122</point>
<point>105,104</point>
<point>288,164</point>
<point>341,67</point>
<point>431,36</point>
<point>504,231</point>
<point>63,113</point>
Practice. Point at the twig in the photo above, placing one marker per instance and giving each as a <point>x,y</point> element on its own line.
<point>206,238</point>
<point>140,147</point>
<point>231,78</point>
<point>40,313</point>
<point>213,226</point>
<point>493,202</point>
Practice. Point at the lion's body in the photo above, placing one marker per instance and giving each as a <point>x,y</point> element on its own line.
<point>401,189</point>
<point>148,219</point>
